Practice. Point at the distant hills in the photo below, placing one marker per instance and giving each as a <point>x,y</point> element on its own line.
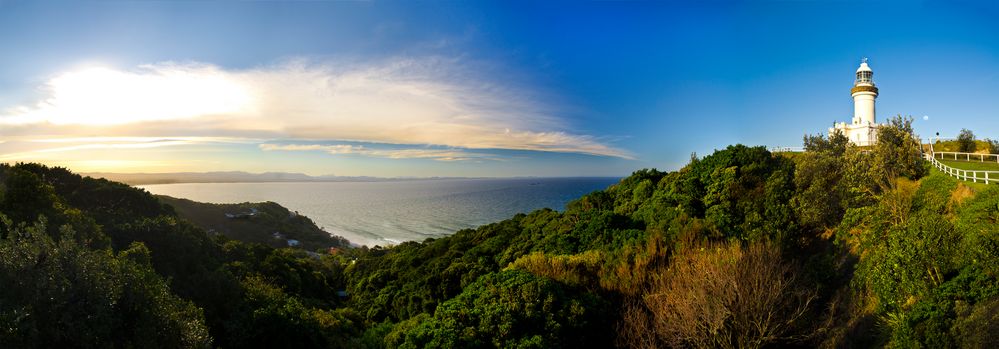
<point>231,177</point>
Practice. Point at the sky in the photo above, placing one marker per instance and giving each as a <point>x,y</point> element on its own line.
<point>456,88</point>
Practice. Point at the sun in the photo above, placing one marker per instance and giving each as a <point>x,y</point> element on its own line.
<point>105,96</point>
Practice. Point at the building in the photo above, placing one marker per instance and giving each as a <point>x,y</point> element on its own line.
<point>863,129</point>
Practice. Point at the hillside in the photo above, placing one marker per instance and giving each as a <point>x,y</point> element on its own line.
<point>270,224</point>
<point>833,247</point>
<point>981,146</point>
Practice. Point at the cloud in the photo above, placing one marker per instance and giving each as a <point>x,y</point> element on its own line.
<point>416,102</point>
<point>103,96</point>
<point>337,149</point>
<point>38,148</point>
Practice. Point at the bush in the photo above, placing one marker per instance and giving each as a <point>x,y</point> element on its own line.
<point>818,176</point>
<point>514,309</point>
<point>57,293</point>
<point>722,295</point>
<point>993,146</point>
<point>966,141</point>
<point>897,153</point>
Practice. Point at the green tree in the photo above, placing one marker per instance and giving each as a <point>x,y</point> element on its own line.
<point>821,193</point>
<point>912,259</point>
<point>993,146</point>
<point>966,141</point>
<point>897,153</point>
<point>515,309</point>
<point>58,293</point>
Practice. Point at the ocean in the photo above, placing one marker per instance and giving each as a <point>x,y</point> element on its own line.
<point>391,212</point>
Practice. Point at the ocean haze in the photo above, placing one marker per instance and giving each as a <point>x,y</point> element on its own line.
<point>225,177</point>
<point>391,212</point>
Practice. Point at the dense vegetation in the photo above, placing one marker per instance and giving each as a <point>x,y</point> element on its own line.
<point>833,247</point>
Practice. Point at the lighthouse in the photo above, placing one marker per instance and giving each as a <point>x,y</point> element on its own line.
<point>862,130</point>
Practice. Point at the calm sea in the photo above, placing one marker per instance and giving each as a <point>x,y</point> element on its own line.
<point>382,213</point>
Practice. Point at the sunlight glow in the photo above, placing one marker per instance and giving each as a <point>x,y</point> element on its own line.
<point>402,101</point>
<point>101,96</point>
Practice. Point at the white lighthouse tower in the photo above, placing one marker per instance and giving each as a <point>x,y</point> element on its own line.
<point>862,130</point>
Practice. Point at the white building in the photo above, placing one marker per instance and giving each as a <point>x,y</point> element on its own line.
<point>863,129</point>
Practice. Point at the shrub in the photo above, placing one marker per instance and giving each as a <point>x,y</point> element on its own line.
<point>993,146</point>
<point>722,295</point>
<point>966,141</point>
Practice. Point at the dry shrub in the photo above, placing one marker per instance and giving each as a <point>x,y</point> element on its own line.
<point>636,329</point>
<point>961,192</point>
<point>629,272</point>
<point>721,295</point>
<point>577,270</point>
<point>897,199</point>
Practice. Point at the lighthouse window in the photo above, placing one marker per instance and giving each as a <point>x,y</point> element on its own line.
<point>864,76</point>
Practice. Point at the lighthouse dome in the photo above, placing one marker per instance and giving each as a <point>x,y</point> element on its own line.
<point>863,67</point>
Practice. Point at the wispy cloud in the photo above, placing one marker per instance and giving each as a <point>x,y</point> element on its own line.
<point>413,153</point>
<point>60,145</point>
<point>415,102</point>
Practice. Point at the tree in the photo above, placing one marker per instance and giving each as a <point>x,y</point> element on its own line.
<point>897,153</point>
<point>912,258</point>
<point>820,195</point>
<point>59,293</point>
<point>993,146</point>
<point>271,318</point>
<point>514,309</point>
<point>966,141</point>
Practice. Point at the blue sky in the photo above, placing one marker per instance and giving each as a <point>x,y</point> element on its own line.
<point>470,88</point>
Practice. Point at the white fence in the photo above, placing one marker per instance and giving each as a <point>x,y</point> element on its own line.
<point>986,177</point>
<point>950,155</point>
<point>782,149</point>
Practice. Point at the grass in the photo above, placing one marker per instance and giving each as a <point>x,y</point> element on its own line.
<point>971,165</point>
<point>975,187</point>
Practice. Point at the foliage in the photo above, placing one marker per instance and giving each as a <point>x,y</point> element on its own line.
<point>822,194</point>
<point>897,153</point>
<point>993,146</point>
<point>274,319</point>
<point>203,270</point>
<point>513,309</point>
<point>966,141</point>
<point>58,293</point>
<point>725,296</point>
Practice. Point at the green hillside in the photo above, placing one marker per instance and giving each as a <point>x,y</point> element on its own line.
<point>833,247</point>
<point>268,218</point>
<point>981,146</point>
